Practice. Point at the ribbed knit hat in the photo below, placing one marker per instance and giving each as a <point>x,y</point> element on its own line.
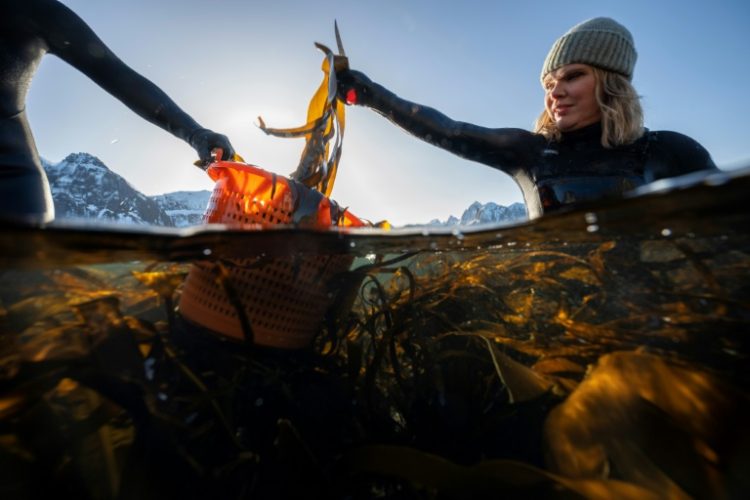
<point>601,42</point>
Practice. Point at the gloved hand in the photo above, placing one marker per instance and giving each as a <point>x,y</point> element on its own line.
<point>353,87</point>
<point>204,141</point>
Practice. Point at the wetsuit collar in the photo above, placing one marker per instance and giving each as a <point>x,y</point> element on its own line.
<point>591,132</point>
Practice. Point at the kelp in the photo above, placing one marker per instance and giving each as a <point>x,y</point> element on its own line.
<point>428,473</point>
<point>652,423</point>
<point>594,369</point>
<point>126,368</point>
<point>326,121</point>
<point>463,355</point>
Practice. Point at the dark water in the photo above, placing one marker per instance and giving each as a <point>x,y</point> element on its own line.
<point>598,353</point>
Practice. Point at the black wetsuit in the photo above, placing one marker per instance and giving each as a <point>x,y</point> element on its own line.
<point>28,30</point>
<point>551,174</point>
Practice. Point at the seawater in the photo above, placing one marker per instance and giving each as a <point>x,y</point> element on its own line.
<point>595,353</point>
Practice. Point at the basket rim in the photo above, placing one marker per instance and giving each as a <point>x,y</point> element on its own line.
<point>234,165</point>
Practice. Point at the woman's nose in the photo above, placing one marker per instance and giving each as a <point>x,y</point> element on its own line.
<point>557,90</point>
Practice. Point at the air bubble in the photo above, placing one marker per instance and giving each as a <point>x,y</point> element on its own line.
<point>592,228</point>
<point>590,218</point>
<point>149,367</point>
<point>666,232</point>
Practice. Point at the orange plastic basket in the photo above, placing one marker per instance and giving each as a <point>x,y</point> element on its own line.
<point>248,196</point>
<point>283,298</point>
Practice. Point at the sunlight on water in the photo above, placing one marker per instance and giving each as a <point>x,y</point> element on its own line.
<point>601,352</point>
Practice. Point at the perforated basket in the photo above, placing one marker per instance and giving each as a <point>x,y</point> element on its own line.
<point>283,299</point>
<point>247,196</point>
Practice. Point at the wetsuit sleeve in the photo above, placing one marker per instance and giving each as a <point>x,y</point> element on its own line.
<point>506,149</point>
<point>677,154</point>
<point>71,39</point>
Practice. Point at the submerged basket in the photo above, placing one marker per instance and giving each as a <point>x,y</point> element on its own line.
<point>281,299</point>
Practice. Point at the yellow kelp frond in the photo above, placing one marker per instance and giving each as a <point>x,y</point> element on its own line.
<point>325,122</point>
<point>304,130</point>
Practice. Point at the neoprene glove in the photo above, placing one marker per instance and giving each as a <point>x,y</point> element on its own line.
<point>353,86</point>
<point>204,141</point>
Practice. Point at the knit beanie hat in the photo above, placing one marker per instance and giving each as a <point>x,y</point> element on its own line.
<point>601,42</point>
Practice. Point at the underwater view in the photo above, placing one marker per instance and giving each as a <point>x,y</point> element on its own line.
<point>595,353</point>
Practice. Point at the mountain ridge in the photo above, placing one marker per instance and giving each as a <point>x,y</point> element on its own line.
<point>83,187</point>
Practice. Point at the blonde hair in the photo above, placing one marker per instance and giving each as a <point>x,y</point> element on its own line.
<point>620,105</point>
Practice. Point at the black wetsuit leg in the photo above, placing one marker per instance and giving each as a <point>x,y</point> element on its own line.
<point>24,191</point>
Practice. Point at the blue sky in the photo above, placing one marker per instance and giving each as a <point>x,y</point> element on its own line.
<point>226,62</point>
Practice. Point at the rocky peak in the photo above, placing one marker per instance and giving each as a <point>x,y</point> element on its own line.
<point>83,187</point>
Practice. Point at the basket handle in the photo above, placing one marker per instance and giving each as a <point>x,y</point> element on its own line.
<point>218,153</point>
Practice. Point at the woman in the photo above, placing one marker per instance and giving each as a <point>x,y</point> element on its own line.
<point>28,30</point>
<point>589,142</point>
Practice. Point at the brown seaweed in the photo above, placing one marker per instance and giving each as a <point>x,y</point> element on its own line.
<point>601,367</point>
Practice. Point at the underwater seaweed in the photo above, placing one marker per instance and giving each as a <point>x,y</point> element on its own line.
<point>513,364</point>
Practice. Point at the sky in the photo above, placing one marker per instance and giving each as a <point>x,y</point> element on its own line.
<point>226,62</point>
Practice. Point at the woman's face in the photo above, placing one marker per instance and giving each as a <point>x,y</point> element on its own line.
<point>570,97</point>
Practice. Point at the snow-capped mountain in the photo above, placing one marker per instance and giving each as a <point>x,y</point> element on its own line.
<point>487,213</point>
<point>83,187</point>
<point>184,207</point>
